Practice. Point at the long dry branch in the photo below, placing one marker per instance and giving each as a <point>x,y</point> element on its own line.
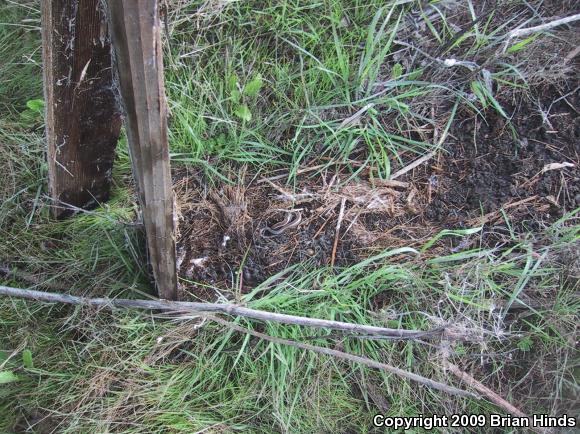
<point>516,33</point>
<point>352,358</point>
<point>546,26</point>
<point>254,314</point>
<point>230,309</point>
<point>492,396</point>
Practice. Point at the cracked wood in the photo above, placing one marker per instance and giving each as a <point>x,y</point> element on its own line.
<point>82,116</point>
<point>137,43</point>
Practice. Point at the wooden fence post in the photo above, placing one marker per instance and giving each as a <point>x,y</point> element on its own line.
<point>135,29</point>
<point>82,116</point>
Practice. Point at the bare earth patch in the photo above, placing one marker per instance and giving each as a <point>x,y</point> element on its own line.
<point>483,170</point>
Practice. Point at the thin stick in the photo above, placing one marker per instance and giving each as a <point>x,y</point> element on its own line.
<point>298,172</point>
<point>351,358</point>
<point>414,164</point>
<point>521,32</point>
<point>336,236</point>
<point>321,228</point>
<point>488,393</point>
<point>288,196</point>
<point>28,277</point>
<point>478,221</point>
<point>390,183</point>
<point>351,120</point>
<point>572,54</point>
<point>230,309</point>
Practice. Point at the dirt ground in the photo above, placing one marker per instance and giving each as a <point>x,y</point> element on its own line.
<point>481,170</point>
<point>511,175</point>
<point>486,168</point>
<point>525,165</point>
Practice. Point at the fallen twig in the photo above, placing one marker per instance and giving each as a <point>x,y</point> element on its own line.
<point>351,120</point>
<point>288,196</point>
<point>390,183</point>
<point>298,172</point>
<point>337,234</point>
<point>488,393</point>
<point>521,32</point>
<point>572,54</point>
<point>29,277</point>
<point>557,166</point>
<point>230,309</point>
<point>15,352</point>
<point>351,358</point>
<point>546,26</point>
<point>411,166</point>
<point>479,221</point>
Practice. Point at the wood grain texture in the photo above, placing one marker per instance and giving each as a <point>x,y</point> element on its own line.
<point>83,119</point>
<point>138,52</point>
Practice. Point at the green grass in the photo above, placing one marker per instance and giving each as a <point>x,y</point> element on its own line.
<point>134,373</point>
<point>314,75</point>
<point>267,85</point>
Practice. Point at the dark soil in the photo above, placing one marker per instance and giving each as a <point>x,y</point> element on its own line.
<point>511,176</point>
<point>223,244</point>
<point>487,168</point>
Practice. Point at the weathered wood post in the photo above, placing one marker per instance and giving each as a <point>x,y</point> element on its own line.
<point>82,117</point>
<point>135,29</point>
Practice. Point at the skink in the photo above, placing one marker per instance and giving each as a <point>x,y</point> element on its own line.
<point>293,219</point>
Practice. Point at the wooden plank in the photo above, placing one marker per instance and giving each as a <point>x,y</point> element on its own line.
<point>137,45</point>
<point>83,120</point>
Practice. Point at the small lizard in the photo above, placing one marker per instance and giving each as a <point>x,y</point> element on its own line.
<point>292,220</point>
